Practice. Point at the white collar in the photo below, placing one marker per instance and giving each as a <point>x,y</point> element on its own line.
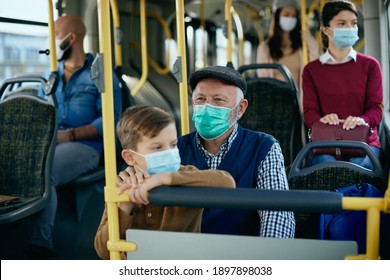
<point>327,58</point>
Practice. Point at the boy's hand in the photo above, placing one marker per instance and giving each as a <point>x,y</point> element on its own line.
<point>130,177</point>
<point>139,194</point>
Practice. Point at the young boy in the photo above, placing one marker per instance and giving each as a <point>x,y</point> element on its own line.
<point>149,140</point>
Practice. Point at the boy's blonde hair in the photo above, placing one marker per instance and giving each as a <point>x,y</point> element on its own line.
<point>138,121</point>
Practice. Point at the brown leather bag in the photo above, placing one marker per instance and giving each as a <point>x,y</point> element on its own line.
<point>321,131</point>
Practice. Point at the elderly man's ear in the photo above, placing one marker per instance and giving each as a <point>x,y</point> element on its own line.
<point>242,108</point>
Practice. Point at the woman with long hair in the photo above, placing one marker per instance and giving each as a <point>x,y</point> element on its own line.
<point>284,43</point>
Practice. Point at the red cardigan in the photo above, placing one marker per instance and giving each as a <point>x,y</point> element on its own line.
<point>347,89</point>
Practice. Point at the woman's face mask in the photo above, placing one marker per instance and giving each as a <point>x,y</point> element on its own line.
<point>163,161</point>
<point>212,121</point>
<point>344,38</point>
<point>287,23</point>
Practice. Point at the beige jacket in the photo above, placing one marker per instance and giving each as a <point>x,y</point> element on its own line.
<point>154,217</point>
<point>264,56</point>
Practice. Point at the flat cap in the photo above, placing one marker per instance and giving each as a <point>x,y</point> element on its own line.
<point>225,74</point>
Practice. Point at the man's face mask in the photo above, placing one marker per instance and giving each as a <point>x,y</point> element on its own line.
<point>212,121</point>
<point>287,23</point>
<point>344,38</point>
<point>163,161</point>
<point>63,47</point>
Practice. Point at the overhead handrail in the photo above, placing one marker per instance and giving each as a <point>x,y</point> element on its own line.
<point>150,60</point>
<point>255,20</point>
<point>181,74</point>
<point>144,48</point>
<point>108,117</point>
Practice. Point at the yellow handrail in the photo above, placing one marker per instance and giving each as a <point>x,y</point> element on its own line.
<point>228,18</point>
<point>117,31</point>
<point>53,55</point>
<point>203,28</point>
<point>304,28</point>
<point>150,60</point>
<point>108,117</point>
<point>185,127</point>
<point>373,206</point>
<point>360,44</point>
<point>240,35</point>
<point>144,48</point>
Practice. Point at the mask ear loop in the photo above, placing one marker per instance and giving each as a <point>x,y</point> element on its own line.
<point>140,169</point>
<point>136,165</point>
<point>65,40</point>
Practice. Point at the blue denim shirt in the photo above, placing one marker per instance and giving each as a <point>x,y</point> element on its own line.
<point>80,102</point>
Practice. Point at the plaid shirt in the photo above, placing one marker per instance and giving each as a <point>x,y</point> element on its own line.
<point>271,176</point>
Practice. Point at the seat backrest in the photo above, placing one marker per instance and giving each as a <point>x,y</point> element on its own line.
<point>28,129</point>
<point>329,176</point>
<point>274,108</point>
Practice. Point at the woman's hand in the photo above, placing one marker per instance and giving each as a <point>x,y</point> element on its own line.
<point>351,122</point>
<point>332,119</point>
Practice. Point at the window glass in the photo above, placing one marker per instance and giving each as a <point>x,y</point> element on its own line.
<point>23,33</point>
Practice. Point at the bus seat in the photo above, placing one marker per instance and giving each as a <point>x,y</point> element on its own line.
<point>329,176</point>
<point>273,108</point>
<point>28,129</point>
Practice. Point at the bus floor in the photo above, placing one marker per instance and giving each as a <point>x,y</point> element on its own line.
<point>73,238</point>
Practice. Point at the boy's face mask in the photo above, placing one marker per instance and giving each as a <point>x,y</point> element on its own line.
<point>212,121</point>
<point>163,161</point>
<point>344,38</point>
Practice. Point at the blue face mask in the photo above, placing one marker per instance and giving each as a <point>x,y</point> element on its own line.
<point>345,37</point>
<point>164,161</point>
<point>211,121</point>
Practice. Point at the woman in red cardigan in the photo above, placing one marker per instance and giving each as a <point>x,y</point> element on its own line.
<point>343,86</point>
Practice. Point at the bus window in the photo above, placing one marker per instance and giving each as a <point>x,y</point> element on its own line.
<point>23,32</point>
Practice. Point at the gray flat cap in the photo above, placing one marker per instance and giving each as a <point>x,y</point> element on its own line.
<point>225,74</point>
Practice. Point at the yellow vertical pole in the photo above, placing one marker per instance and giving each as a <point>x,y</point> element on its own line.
<point>116,30</point>
<point>203,28</point>
<point>228,18</point>
<point>108,117</point>
<point>144,49</point>
<point>182,54</point>
<point>304,28</point>
<point>53,56</point>
<point>373,230</point>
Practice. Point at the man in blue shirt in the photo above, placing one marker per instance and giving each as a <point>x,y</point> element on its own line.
<point>80,133</point>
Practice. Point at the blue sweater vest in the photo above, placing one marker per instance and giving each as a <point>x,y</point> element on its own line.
<point>242,162</point>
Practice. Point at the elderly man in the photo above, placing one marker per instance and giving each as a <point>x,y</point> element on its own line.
<point>254,159</point>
